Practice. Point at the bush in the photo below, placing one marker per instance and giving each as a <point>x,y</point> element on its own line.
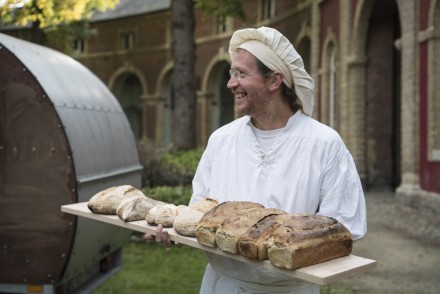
<point>164,166</point>
<point>179,167</point>
<point>150,156</point>
<point>170,194</point>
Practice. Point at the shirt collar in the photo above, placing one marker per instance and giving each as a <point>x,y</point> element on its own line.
<point>293,120</point>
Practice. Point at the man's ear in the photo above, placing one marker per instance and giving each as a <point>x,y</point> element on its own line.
<point>276,80</point>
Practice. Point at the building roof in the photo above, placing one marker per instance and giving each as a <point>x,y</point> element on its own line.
<point>127,8</point>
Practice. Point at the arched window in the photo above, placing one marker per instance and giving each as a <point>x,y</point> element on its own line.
<point>304,49</point>
<point>329,102</point>
<point>332,87</point>
<point>128,90</point>
<point>222,105</point>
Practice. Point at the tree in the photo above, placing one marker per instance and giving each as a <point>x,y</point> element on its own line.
<point>184,82</point>
<point>59,21</point>
<point>222,9</point>
<point>183,49</point>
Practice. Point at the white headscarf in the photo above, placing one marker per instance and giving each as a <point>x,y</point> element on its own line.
<point>277,53</point>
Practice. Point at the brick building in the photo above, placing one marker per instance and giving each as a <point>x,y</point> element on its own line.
<point>375,65</point>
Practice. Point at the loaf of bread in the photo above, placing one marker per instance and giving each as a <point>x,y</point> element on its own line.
<point>108,200</point>
<point>186,222</point>
<point>308,239</point>
<point>253,243</point>
<point>135,208</point>
<point>211,221</point>
<point>163,214</point>
<point>205,205</point>
<point>235,226</point>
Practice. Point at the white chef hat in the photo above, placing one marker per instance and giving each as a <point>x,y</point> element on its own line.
<point>277,53</point>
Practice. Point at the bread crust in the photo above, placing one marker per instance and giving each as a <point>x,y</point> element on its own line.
<point>253,243</point>
<point>205,205</point>
<point>308,239</point>
<point>135,208</point>
<point>107,201</point>
<point>211,221</point>
<point>186,221</point>
<point>234,227</point>
<point>163,213</point>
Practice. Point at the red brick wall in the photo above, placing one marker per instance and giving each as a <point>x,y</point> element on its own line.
<point>429,171</point>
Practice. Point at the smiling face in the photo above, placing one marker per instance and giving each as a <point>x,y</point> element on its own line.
<point>251,91</point>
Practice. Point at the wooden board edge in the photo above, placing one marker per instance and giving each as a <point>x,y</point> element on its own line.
<point>317,275</point>
<point>368,266</point>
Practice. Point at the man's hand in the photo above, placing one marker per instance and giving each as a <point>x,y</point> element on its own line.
<point>161,236</point>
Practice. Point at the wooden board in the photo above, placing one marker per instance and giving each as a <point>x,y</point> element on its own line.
<point>322,274</point>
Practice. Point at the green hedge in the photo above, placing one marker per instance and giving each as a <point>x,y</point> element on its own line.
<point>168,173</point>
<point>164,166</point>
<point>170,194</point>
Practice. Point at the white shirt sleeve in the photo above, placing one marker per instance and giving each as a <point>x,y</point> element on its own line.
<point>201,180</point>
<point>342,196</point>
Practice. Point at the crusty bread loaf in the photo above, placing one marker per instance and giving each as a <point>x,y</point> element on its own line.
<point>232,228</point>
<point>186,221</point>
<point>163,214</point>
<point>308,239</point>
<point>205,205</point>
<point>211,221</point>
<point>108,200</point>
<point>253,243</point>
<point>135,208</point>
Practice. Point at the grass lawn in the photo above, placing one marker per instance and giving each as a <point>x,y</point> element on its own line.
<point>149,268</point>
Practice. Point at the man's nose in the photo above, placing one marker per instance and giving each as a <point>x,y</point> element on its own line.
<point>233,82</point>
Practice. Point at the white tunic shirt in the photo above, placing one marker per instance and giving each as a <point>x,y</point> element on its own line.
<point>306,169</point>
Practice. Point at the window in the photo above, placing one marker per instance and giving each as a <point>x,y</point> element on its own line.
<point>268,9</point>
<point>128,90</point>
<point>127,40</point>
<point>223,25</point>
<point>79,45</point>
<point>332,88</point>
<point>329,89</point>
<point>304,49</point>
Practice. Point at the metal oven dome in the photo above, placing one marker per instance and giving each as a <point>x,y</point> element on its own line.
<point>63,137</point>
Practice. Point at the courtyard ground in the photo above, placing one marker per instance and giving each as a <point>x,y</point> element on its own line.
<point>404,242</point>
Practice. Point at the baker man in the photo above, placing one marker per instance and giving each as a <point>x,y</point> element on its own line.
<point>275,154</point>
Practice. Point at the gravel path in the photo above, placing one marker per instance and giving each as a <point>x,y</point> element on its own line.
<point>405,245</point>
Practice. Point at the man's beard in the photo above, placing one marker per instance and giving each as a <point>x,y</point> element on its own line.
<point>241,111</point>
<point>252,108</point>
